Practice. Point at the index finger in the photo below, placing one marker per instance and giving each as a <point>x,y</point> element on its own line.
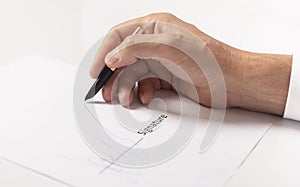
<point>113,38</point>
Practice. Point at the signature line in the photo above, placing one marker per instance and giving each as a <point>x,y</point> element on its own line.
<point>116,159</point>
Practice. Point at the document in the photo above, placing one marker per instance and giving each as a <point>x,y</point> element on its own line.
<point>38,130</point>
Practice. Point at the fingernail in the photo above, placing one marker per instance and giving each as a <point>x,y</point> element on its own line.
<point>114,59</point>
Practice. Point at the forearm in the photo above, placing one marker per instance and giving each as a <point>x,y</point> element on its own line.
<point>254,81</point>
<point>261,81</point>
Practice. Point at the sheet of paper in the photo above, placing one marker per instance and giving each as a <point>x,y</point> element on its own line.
<point>37,129</point>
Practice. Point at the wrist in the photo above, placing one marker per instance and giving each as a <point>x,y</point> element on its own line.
<point>230,63</point>
<point>262,82</point>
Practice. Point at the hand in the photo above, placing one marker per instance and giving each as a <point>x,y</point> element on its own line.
<point>162,49</point>
<point>170,50</point>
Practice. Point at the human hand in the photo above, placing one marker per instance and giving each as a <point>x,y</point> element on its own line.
<point>170,50</point>
<point>183,58</point>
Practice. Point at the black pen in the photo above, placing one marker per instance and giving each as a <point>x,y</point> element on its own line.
<point>104,76</point>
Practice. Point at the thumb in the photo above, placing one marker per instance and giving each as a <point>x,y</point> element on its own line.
<point>134,47</point>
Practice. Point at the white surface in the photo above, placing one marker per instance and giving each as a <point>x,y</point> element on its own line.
<point>14,176</point>
<point>44,137</point>
<point>275,161</point>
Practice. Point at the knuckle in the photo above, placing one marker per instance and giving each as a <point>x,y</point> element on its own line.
<point>192,26</point>
<point>161,16</point>
<point>167,15</point>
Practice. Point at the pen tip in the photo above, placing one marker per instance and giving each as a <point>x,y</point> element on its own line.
<point>87,97</point>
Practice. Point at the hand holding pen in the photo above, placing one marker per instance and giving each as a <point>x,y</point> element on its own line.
<point>105,74</point>
<point>243,72</point>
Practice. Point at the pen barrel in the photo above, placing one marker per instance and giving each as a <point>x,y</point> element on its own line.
<point>105,74</point>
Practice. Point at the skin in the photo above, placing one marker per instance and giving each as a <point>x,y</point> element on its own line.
<point>254,81</point>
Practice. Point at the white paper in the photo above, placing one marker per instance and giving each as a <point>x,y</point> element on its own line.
<point>37,129</point>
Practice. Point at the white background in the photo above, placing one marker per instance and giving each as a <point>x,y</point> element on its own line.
<point>65,29</point>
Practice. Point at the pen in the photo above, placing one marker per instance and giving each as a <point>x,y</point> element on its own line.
<point>105,74</point>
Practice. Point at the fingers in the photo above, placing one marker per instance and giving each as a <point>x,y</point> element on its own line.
<point>144,47</point>
<point>151,46</point>
<point>111,40</point>
<point>123,81</point>
<point>125,95</point>
<point>127,79</point>
<point>146,89</point>
<point>131,49</point>
<point>114,37</point>
<point>153,23</point>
